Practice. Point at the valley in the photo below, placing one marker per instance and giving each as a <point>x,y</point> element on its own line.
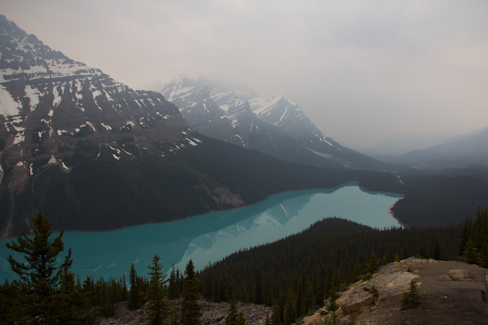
<point>244,191</point>
<point>210,237</point>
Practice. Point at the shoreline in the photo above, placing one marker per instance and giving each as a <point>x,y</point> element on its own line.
<point>350,183</point>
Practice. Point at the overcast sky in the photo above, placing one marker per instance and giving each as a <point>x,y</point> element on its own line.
<point>363,71</point>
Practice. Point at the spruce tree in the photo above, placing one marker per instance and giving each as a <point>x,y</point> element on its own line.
<point>190,307</point>
<point>175,316</point>
<point>411,298</point>
<point>470,252</point>
<point>405,251</point>
<point>372,266</point>
<point>174,292</point>
<point>332,305</point>
<point>258,289</point>
<point>46,287</point>
<point>232,317</point>
<point>157,307</point>
<point>436,254</point>
<point>135,301</point>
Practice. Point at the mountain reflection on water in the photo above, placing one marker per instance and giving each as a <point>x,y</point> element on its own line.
<point>213,236</point>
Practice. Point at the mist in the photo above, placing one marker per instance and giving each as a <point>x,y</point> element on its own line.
<point>364,72</point>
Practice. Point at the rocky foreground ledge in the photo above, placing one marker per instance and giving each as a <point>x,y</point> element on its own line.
<point>213,313</point>
<point>451,294</point>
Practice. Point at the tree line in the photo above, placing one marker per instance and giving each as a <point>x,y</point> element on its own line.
<point>46,291</point>
<point>293,275</point>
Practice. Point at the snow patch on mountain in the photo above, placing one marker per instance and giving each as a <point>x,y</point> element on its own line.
<point>8,106</point>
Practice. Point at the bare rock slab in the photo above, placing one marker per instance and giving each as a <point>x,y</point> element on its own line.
<point>359,301</point>
<point>461,275</point>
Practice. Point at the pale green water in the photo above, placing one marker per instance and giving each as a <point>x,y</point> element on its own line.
<point>210,237</point>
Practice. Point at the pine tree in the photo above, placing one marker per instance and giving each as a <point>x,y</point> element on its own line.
<point>175,317</point>
<point>258,289</point>
<point>157,307</point>
<point>134,294</point>
<point>470,252</point>
<point>405,251</point>
<point>174,292</point>
<point>411,298</point>
<point>225,284</point>
<point>46,287</point>
<point>208,282</point>
<point>436,253</point>
<point>267,320</point>
<point>190,307</point>
<point>332,305</point>
<point>372,266</point>
<point>232,317</point>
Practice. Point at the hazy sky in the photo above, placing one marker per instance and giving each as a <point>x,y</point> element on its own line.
<point>363,71</point>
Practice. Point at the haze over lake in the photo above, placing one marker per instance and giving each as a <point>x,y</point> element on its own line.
<point>212,236</point>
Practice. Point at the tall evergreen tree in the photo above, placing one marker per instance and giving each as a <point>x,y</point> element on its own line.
<point>233,317</point>
<point>135,300</point>
<point>174,292</point>
<point>190,307</point>
<point>258,289</point>
<point>405,251</point>
<point>470,253</point>
<point>45,286</point>
<point>225,284</point>
<point>157,307</point>
<point>372,266</point>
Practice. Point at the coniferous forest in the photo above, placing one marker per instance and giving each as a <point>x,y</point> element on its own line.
<point>293,275</point>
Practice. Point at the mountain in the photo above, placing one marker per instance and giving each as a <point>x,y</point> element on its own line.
<point>274,125</point>
<point>401,145</point>
<point>457,152</point>
<point>94,154</point>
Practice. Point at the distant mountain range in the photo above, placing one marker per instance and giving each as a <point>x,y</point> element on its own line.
<point>93,154</point>
<point>274,125</point>
<point>457,152</point>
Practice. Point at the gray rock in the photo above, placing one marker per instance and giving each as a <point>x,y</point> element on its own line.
<point>360,300</point>
<point>461,275</point>
<point>391,283</point>
<point>445,278</point>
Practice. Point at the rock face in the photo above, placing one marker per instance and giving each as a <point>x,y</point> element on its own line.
<point>359,301</point>
<point>444,300</point>
<point>56,112</point>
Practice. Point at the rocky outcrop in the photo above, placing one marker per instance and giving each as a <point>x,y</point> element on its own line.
<point>213,313</point>
<point>461,275</point>
<point>450,294</point>
<point>359,301</point>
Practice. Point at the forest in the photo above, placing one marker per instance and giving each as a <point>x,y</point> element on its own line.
<point>106,194</point>
<point>293,275</point>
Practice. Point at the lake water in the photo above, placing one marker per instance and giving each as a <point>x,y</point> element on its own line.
<point>212,236</point>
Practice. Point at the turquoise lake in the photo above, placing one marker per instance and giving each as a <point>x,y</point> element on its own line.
<point>213,236</point>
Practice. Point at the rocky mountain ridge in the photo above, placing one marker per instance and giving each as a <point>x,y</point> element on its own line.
<point>458,152</point>
<point>273,125</point>
<point>96,155</point>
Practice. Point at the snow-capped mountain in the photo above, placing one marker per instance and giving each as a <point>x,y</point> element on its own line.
<point>94,154</point>
<point>273,125</point>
